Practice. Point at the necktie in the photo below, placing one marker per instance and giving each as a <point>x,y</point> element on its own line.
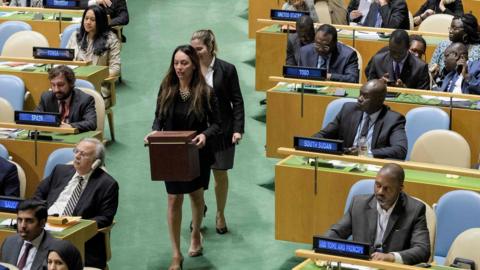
<point>397,71</point>
<point>28,3</point>
<point>74,198</point>
<point>322,62</point>
<point>451,84</point>
<point>23,259</point>
<point>366,123</point>
<point>63,108</point>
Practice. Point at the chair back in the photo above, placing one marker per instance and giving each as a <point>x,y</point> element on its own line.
<point>67,33</point>
<point>333,108</point>
<point>6,111</point>
<point>81,83</point>
<point>59,156</point>
<point>410,20</point>
<point>437,23</point>
<point>466,246</point>
<point>421,120</point>
<point>99,106</point>
<point>3,152</point>
<point>360,62</point>
<point>362,187</point>
<point>431,225</point>
<point>13,90</point>
<point>21,178</point>
<point>21,44</point>
<point>11,27</point>
<point>456,212</point>
<point>443,147</point>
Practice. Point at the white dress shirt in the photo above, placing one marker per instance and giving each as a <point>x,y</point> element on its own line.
<point>209,74</point>
<point>59,206</point>
<point>33,251</point>
<point>382,222</point>
<point>371,126</point>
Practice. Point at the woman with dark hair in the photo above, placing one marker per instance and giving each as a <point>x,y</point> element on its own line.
<point>64,256</point>
<point>96,43</point>
<point>186,102</point>
<point>222,77</point>
<point>430,7</point>
<point>463,29</point>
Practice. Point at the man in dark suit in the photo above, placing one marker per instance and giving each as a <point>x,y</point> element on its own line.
<point>9,183</point>
<point>393,223</point>
<point>397,66</point>
<point>76,108</point>
<point>28,249</point>
<point>382,129</point>
<point>116,9</point>
<point>339,60</point>
<point>458,76</point>
<point>305,33</point>
<point>85,190</point>
<point>380,14</point>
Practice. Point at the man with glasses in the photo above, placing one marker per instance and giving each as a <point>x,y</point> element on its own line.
<point>339,61</point>
<point>77,109</point>
<point>83,189</point>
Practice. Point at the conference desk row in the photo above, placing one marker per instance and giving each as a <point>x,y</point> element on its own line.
<point>271,47</point>
<point>49,26</point>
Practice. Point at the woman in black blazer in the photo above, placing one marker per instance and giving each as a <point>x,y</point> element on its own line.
<point>430,7</point>
<point>222,77</point>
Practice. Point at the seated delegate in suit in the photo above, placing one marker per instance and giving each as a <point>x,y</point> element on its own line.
<point>379,13</point>
<point>96,43</point>
<point>430,7</point>
<point>116,9</point>
<point>26,3</point>
<point>340,61</point>
<point>83,189</point>
<point>28,248</point>
<point>463,29</point>
<point>383,129</point>
<point>392,222</point>
<point>458,76</point>
<point>76,108</point>
<point>62,255</point>
<point>398,66</point>
<point>9,183</point>
<point>304,35</point>
<point>418,46</point>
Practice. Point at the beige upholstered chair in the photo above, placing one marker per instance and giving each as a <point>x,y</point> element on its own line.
<point>467,246</point>
<point>438,23</point>
<point>6,111</point>
<point>410,19</point>
<point>360,62</point>
<point>99,106</point>
<point>9,266</point>
<point>443,147</point>
<point>431,225</point>
<point>22,178</point>
<point>21,44</point>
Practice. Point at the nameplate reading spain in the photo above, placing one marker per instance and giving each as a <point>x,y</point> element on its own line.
<point>318,145</point>
<point>341,247</point>
<point>286,15</point>
<point>37,118</point>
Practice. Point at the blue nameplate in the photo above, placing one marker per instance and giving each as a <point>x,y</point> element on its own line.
<point>68,4</point>
<point>37,118</point>
<point>306,73</point>
<point>53,53</point>
<point>318,145</point>
<point>286,15</point>
<point>341,247</point>
<point>9,204</point>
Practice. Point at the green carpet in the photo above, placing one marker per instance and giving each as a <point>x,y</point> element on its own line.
<point>140,238</point>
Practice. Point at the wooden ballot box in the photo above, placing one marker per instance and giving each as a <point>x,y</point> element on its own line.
<point>172,156</point>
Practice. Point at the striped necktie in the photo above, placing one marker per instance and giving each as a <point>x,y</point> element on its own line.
<point>23,260</point>
<point>74,198</point>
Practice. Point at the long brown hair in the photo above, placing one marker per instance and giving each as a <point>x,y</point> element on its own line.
<point>199,89</point>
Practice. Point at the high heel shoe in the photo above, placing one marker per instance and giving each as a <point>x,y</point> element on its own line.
<point>204,214</point>
<point>223,230</point>
<point>198,252</point>
<point>178,266</point>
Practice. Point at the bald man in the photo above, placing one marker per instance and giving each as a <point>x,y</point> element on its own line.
<point>382,128</point>
<point>390,220</point>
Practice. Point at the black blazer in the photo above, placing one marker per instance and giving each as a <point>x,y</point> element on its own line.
<point>293,50</point>
<point>99,202</point>
<point>406,231</point>
<point>9,183</point>
<point>230,102</point>
<point>414,73</point>
<point>388,141</point>
<point>394,14</point>
<point>455,8</point>
<point>82,109</point>
<point>118,12</point>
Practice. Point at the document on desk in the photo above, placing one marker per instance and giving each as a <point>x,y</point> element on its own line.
<point>366,35</point>
<point>8,133</point>
<point>443,98</point>
<point>8,222</point>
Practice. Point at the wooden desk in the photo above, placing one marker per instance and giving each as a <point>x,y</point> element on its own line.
<point>284,117</point>
<point>260,9</point>
<point>48,27</point>
<point>77,234</point>
<point>271,47</point>
<point>301,213</point>
<point>36,80</point>
<point>32,156</point>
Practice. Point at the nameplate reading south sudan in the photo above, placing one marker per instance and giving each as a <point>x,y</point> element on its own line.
<point>286,15</point>
<point>304,73</point>
<point>318,145</point>
<point>341,247</point>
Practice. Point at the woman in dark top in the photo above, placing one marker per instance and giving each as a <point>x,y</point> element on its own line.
<point>186,102</point>
<point>64,256</point>
<point>222,77</point>
<point>430,7</point>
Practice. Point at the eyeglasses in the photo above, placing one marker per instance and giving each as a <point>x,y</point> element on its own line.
<point>81,153</point>
<point>455,28</point>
